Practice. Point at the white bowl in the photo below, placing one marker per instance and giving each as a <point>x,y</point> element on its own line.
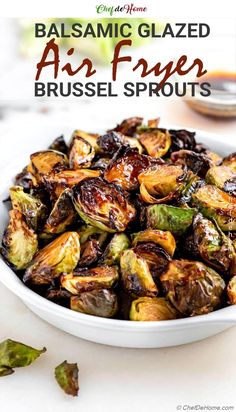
<point>110,331</point>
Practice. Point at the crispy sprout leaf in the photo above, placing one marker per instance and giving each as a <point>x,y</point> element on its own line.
<point>15,355</point>
<point>66,375</point>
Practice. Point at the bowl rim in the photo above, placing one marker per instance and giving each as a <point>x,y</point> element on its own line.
<point>10,280</point>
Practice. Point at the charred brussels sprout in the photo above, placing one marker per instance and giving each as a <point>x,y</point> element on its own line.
<point>101,302</point>
<point>84,280</point>
<point>66,375</point>
<point>16,355</point>
<point>134,143</point>
<point>19,243</point>
<point>213,246</point>
<point>152,309</point>
<point>81,153</point>
<point>89,137</point>
<point>114,249</point>
<point>57,182</point>
<point>156,257</point>
<point>90,253</point>
<point>44,162</point>
<point>59,145</point>
<point>156,141</point>
<point>192,287</point>
<point>231,291</point>
<point>33,209</point>
<point>24,179</point>
<point>216,204</point>
<point>161,238</point>
<point>230,161</point>
<point>128,126</point>
<point>182,139</point>
<point>135,275</point>
<point>125,167</point>
<point>198,163</point>
<point>103,205</point>
<point>87,232</point>
<point>174,219</point>
<point>59,256</point>
<point>219,175</point>
<point>62,215</point>
<point>110,142</point>
<point>161,183</point>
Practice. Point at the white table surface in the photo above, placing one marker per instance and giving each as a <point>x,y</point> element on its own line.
<point>114,379</point>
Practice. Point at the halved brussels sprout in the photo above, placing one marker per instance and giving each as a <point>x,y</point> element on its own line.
<point>198,163</point>
<point>230,161</point>
<point>156,257</point>
<point>128,126</point>
<point>89,137</point>
<point>182,139</point>
<point>59,256</point>
<point>19,242</point>
<point>24,179</point>
<point>62,215</point>
<point>84,280</point>
<point>214,157</point>
<point>114,249</point>
<point>59,145</point>
<point>152,309</point>
<point>135,275</point>
<point>90,253</point>
<point>110,142</point>
<point>125,167</point>
<point>100,164</point>
<point>34,211</point>
<point>192,287</point>
<point>44,162</point>
<point>101,302</point>
<point>219,176</point>
<point>81,153</point>
<point>156,141</point>
<point>231,291</point>
<point>174,219</point>
<point>216,204</point>
<point>213,246</point>
<point>58,295</point>
<point>57,182</point>
<point>133,143</point>
<point>160,237</point>
<point>161,183</point>
<point>102,205</point>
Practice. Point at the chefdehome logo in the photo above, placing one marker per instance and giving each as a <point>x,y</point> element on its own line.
<point>126,8</point>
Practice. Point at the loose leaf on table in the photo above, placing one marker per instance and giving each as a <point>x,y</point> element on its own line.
<point>66,375</point>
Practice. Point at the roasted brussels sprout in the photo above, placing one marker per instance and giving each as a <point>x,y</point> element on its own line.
<point>151,309</point>
<point>156,257</point>
<point>133,142</point>
<point>156,141</point>
<point>44,162</point>
<point>86,232</point>
<point>59,256</point>
<point>128,126</point>
<point>213,245</point>
<point>102,205</point>
<point>214,157</point>
<point>125,167</point>
<point>216,204</point>
<point>34,211</point>
<point>90,253</point>
<point>57,182</point>
<point>59,145</point>
<point>66,375</point>
<point>114,249</point>
<point>101,302</point>
<point>81,153</point>
<point>89,137</point>
<point>230,161</point>
<point>84,280</point>
<point>110,142</point>
<point>221,177</point>
<point>24,179</point>
<point>135,275</point>
<point>161,238</point>
<point>58,295</point>
<point>182,139</point>
<point>192,287</point>
<point>100,164</point>
<point>174,219</point>
<point>231,291</point>
<point>62,215</point>
<point>161,183</point>
<point>198,163</point>
<point>19,242</point>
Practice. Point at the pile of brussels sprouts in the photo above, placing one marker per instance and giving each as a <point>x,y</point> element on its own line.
<point>138,223</point>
